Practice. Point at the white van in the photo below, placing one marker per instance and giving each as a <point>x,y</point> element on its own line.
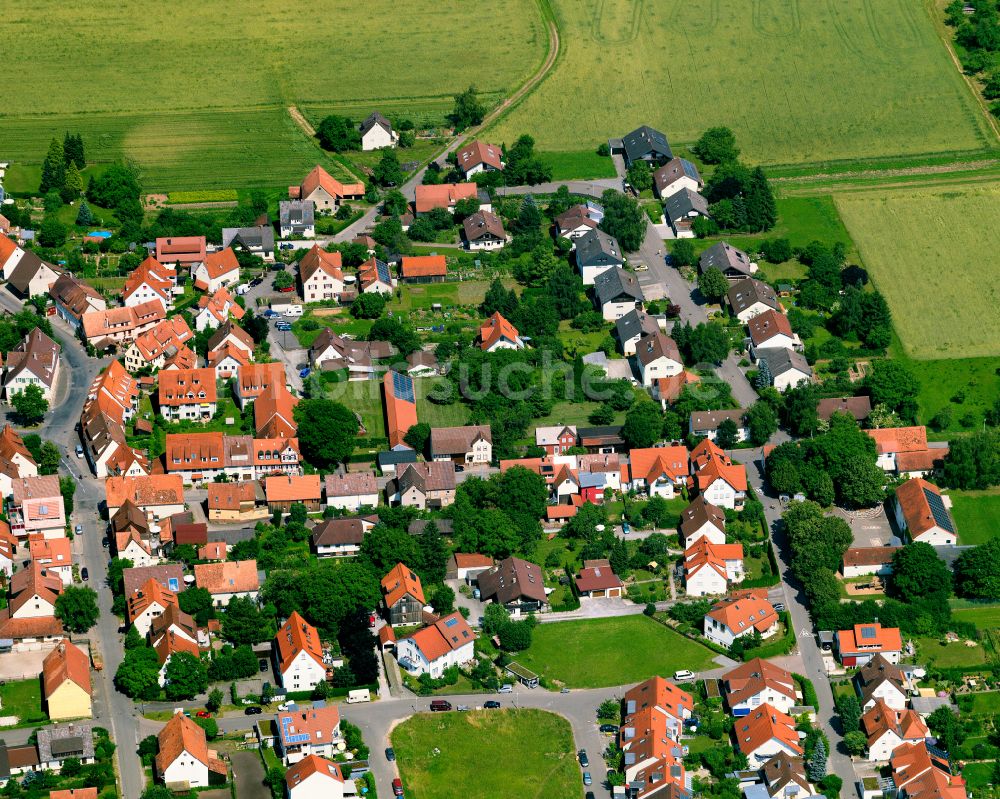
<point>243,288</point>
<point>360,695</point>
<point>292,310</point>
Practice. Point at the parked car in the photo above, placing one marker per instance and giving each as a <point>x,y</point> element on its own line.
<point>283,326</point>
<point>439,705</point>
<point>587,780</point>
<point>588,795</point>
<point>463,708</point>
<point>263,666</point>
<point>305,372</point>
<point>105,543</point>
<point>286,289</point>
<point>78,530</point>
<point>491,704</point>
<point>625,528</point>
<point>203,714</point>
<point>79,451</point>
<point>609,729</point>
<point>506,688</point>
<point>268,313</point>
<point>84,574</point>
<point>253,710</point>
<point>779,607</point>
<point>584,760</point>
<point>683,674</point>
<point>287,246</point>
<point>397,786</point>
<point>641,268</point>
<point>390,754</point>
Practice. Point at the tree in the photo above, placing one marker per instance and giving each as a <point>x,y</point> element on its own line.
<point>523,166</point>
<point>138,675</point>
<point>708,343</point>
<point>817,541</point>
<point>515,636</point>
<point>849,710</point>
<point>946,726</point>
<point>977,571</point>
<point>52,233</point>
<point>417,436</point>
<point>893,385</point>
<point>713,283</point>
<point>624,219</point>
<point>816,768</point>
<point>639,177</point>
<point>73,151</point>
<point>619,557</point>
<point>73,185</point>
<point>762,422</point>
<point>337,133</point>
<point>400,335</point>
<point>387,171</point>
<point>49,457</point>
<point>855,742</point>
<point>186,676</point>
<point>283,280</point>
<point>499,299</point>
<point>116,186</point>
<point>727,434</point>
<point>394,203</point>
<point>443,600</point>
<point>214,701</point>
<point>918,572</point>
<point>85,217</point>
<point>433,554</point>
<point>76,608</point>
<point>643,423</point>
<point>761,207</point>
<point>764,378</point>
<point>383,547</point>
<point>243,623</point>
<point>53,168</point>
<point>776,251</point>
<point>195,602</point>
<point>368,305</point>
<point>133,638</point>
<point>682,253</point>
<point>468,110</point>
<point>716,146</point>
<point>67,489</point>
<point>327,432</point>
<point>210,726</point>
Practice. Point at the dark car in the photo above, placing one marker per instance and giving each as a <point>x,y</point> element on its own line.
<point>588,795</point>
<point>491,704</point>
<point>253,710</point>
<point>105,543</point>
<point>584,760</point>
<point>390,754</point>
<point>438,705</point>
<point>611,729</point>
<point>263,666</point>
<point>84,574</point>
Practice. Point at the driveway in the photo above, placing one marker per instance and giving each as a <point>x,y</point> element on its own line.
<point>248,771</point>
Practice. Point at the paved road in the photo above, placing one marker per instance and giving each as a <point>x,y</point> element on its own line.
<point>592,188</point>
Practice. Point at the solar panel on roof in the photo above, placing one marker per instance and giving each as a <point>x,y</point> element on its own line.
<point>939,511</point>
<point>451,622</point>
<point>868,632</point>
<point>297,738</point>
<point>383,272</point>
<point>402,387</point>
<point>689,169</point>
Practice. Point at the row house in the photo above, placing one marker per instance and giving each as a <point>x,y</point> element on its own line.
<point>152,349</point>
<point>159,496</point>
<point>55,555</point>
<point>200,457</point>
<point>188,394</point>
<point>116,327</point>
<point>105,444</point>
<point>135,537</point>
<point>229,348</point>
<point>255,379</point>
<point>720,481</point>
<point>36,507</point>
<point>654,713</point>
<point>274,412</point>
<point>236,502</point>
<point>16,461</point>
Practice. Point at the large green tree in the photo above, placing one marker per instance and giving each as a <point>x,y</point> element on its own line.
<point>468,110</point>
<point>76,608</point>
<point>53,168</point>
<point>918,572</point>
<point>138,674</point>
<point>243,623</point>
<point>817,541</point>
<point>977,571</point>
<point>643,424</point>
<point>713,284</point>
<point>716,145</point>
<point>338,133</point>
<point>327,432</point>
<point>624,219</point>
<point>186,676</point>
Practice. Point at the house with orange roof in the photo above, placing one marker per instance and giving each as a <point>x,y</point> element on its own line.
<point>283,491</point>
<point>116,392</point>
<point>653,714</point>
<point>151,349</point>
<point>400,406</point>
<point>444,195</point>
<point>174,621</point>
<point>478,156</point>
<point>740,614</point>
<point>308,732</point>
<point>922,773</point>
<point>37,506</point>
<point>10,256</point>
<point>466,566</point>
<point>403,596</point>
<point>375,277</point>
<point>151,280</point>
<point>104,443</point>
<point>168,644</point>
<point>299,654</point>
<point>254,379</point>
<point>887,729</point>
<point>33,593</point>
<point>274,413</point>
<point>320,275</point>
<point>226,361</point>
<point>196,457</point>
<point>430,650</point>
<point>499,334</point>
<point>658,471</point>
<point>236,502</point>
<point>858,645</point>
<point>55,554</point>
<point>324,191</point>
<point>184,759</point>
<point>15,460</point>
<point>922,512</point>
<point>148,603</point>
<point>66,686</point>
<point>188,395</point>
<point>764,733</point>
<point>759,682</point>
<point>115,327</point>
<point>709,569</point>
<point>720,481</point>
<point>423,269</point>
<point>216,309</point>
<point>317,778</point>
<point>226,580</point>
<point>904,451</point>
<point>8,549</point>
<point>157,495</point>
<point>73,298</point>
<point>181,250</point>
<point>74,793</point>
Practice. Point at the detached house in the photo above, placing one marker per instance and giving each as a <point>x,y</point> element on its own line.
<point>860,644</point>
<point>922,513</point>
<point>184,759</point>
<point>710,568</point>
<point>701,519</point>
<point>785,778</point>
<point>447,642</point>
<point>483,230</point>
<point>919,771</point>
<point>66,682</point>
<point>658,471</point>
<point>705,424</point>
<point>642,144</point>
<point>597,580</point>
<point>341,538</point>
<point>308,732</point>
<point>658,358</point>
<point>578,220</point>
<point>351,491</point>
<point>889,728</point>
<point>320,275</point>
<point>740,614</point>
<point>879,680</point>
<point>749,298</point>
<point>717,478</point>
<point>257,240</point>
<point>73,298</point>
<point>787,367</point>
<point>674,176</point>
<point>632,327</point>
<point>376,133</point>
<point>733,263</point>
<point>422,485</point>
<point>443,195</point>
<point>10,256</point>
<point>150,281</point>
<point>226,580</point>
<point>324,191</point>
<point>478,156</point>
<point>681,209</point>
<point>296,219</point>
<point>317,778</point>
<point>33,277</point>
<point>181,251</point>
<point>904,451</point>
<point>471,445</point>
<point>516,584</point>
<point>403,596</point>
<point>218,270</point>
<point>758,682</point>
<point>216,309</point>
<point>299,654</point>
<point>190,394</point>
<point>34,361</point>
<point>616,293</point>
<point>771,330</point>
<point>766,732</point>
<point>375,277</point>
<point>555,440</point>
<point>596,253</point>
<point>148,603</point>
<point>499,334</point>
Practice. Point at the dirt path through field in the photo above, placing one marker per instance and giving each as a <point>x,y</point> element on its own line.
<point>301,121</point>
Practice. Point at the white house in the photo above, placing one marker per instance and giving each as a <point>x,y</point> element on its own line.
<point>351,491</point>
<point>674,176</point>
<point>377,132</point>
<point>448,642</point>
<point>710,568</point>
<point>705,424</point>
<point>659,471</point>
<point>750,297</point>
<point>658,357</point>
<point>720,481</point>
<point>701,519</point>
<point>787,367</point>
<point>880,680</point>
<point>184,758</point>
<point>299,654</point>
<point>308,732</point>
<point>219,269</point>
<point>740,614</point>
<point>757,682</point>
<point>772,330</point>
<point>617,293</point>
<point>922,512</point>
<point>297,219</point>
<point>860,644</point>
<point>317,778</point>
<point>148,603</point>
<point>320,275</point>
<point>596,253</point>
<point>764,733</point>
<point>888,728</point>
<point>34,361</point>
<point>341,538</point>
<point>229,579</point>
<point>10,256</point>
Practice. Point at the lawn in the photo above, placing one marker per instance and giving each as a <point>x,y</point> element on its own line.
<point>579,165</point>
<point>941,655</point>
<point>979,775</point>
<point>976,514</point>
<point>595,653</point>
<point>815,81</point>
<point>225,123</point>
<point>531,753</point>
<point>22,698</point>
<point>987,703</point>
<point>941,243</point>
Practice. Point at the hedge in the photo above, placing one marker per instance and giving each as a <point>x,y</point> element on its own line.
<point>775,648</point>
<point>809,696</point>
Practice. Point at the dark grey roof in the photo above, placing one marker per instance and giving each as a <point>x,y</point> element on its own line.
<point>297,212</point>
<point>746,293</point>
<point>393,457</point>
<point>597,248</point>
<point>617,285</point>
<point>375,118</point>
<point>726,258</point>
<point>783,360</point>
<point>258,237</point>
<point>635,323</point>
<point>67,740</point>
<point>605,431</point>
<point>646,142</point>
<point>684,203</point>
<point>26,270</point>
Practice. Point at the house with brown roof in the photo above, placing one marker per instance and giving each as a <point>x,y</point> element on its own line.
<point>423,269</point>
<point>184,760</point>
<point>325,192</point>
<point>658,357</point>
<point>858,407</point>
<point>597,580</point>
<point>317,778</point>
<point>880,680</point>
<point>430,650</point>
<point>226,580</point>
<point>740,614</point>
<point>516,584</point>
<point>33,277</point>
<point>299,654</point>
<point>158,495</point>
<point>467,566</point>
<point>888,728</point>
<point>784,777</point>
<point>764,733</point>
<point>675,176</point>
<point>858,645</point>
<point>216,309</point>
<point>484,230</point>
<point>283,491</point>
<point>236,502</point>
<point>771,330</point>
<point>859,561</point>
<point>170,576</point>
<point>702,519</point>
<point>178,251</point>
<point>341,538</point>
<point>922,512</point>
<point>478,156</point>
<point>320,275</point>
<point>471,445</point>
<point>403,596</point>
<point>154,347</point>
<point>580,219</point>
<point>66,685</point>
<point>34,361</point>
<point>758,682</point>
<point>188,395</point>
<point>705,424</point>
<point>73,298</point>
<point>351,490</point>
<point>750,297</point>
<point>422,485</point>
<point>308,732</point>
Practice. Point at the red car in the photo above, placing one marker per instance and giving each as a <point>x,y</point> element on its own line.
<point>397,787</point>
<point>203,714</point>
<point>287,289</point>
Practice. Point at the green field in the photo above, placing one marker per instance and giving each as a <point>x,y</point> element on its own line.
<point>979,775</point>
<point>530,753</point>
<point>977,515</point>
<point>986,703</point>
<point>951,655</point>
<point>596,653</point>
<point>985,617</point>
<point>798,81</point>
<point>197,92</point>
<point>932,254</point>
<point>22,698</point>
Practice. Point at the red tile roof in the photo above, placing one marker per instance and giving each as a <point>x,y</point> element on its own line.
<point>869,638</point>
<point>399,582</point>
<point>443,195</point>
<point>66,662</point>
<point>424,266</point>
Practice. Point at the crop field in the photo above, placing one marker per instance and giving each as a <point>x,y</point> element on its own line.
<point>932,254</point>
<point>197,92</point>
<point>799,81</point>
